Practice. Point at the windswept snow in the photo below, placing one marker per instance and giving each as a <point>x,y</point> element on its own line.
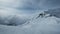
<point>44,24</point>
<point>38,26</point>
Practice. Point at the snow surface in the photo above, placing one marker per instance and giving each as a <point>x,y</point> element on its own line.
<point>40,24</point>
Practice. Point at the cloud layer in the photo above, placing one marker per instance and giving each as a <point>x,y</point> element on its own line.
<point>30,6</point>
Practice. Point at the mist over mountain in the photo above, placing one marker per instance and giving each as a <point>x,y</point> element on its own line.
<point>29,16</point>
<point>45,22</point>
<point>13,20</point>
<point>54,12</point>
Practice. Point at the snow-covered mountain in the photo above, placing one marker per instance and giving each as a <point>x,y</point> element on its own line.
<point>46,22</point>
<point>54,14</point>
<point>41,23</point>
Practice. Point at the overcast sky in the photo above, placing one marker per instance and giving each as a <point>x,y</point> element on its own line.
<point>29,6</point>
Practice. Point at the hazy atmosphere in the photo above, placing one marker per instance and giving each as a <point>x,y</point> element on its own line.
<point>29,6</point>
<point>29,16</point>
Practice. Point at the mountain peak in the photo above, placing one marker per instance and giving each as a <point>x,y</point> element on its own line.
<point>53,12</point>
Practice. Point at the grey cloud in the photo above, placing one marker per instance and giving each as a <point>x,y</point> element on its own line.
<point>33,4</point>
<point>40,4</point>
<point>50,4</point>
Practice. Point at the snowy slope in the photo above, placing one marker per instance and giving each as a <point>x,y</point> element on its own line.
<point>46,26</point>
<point>43,23</point>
